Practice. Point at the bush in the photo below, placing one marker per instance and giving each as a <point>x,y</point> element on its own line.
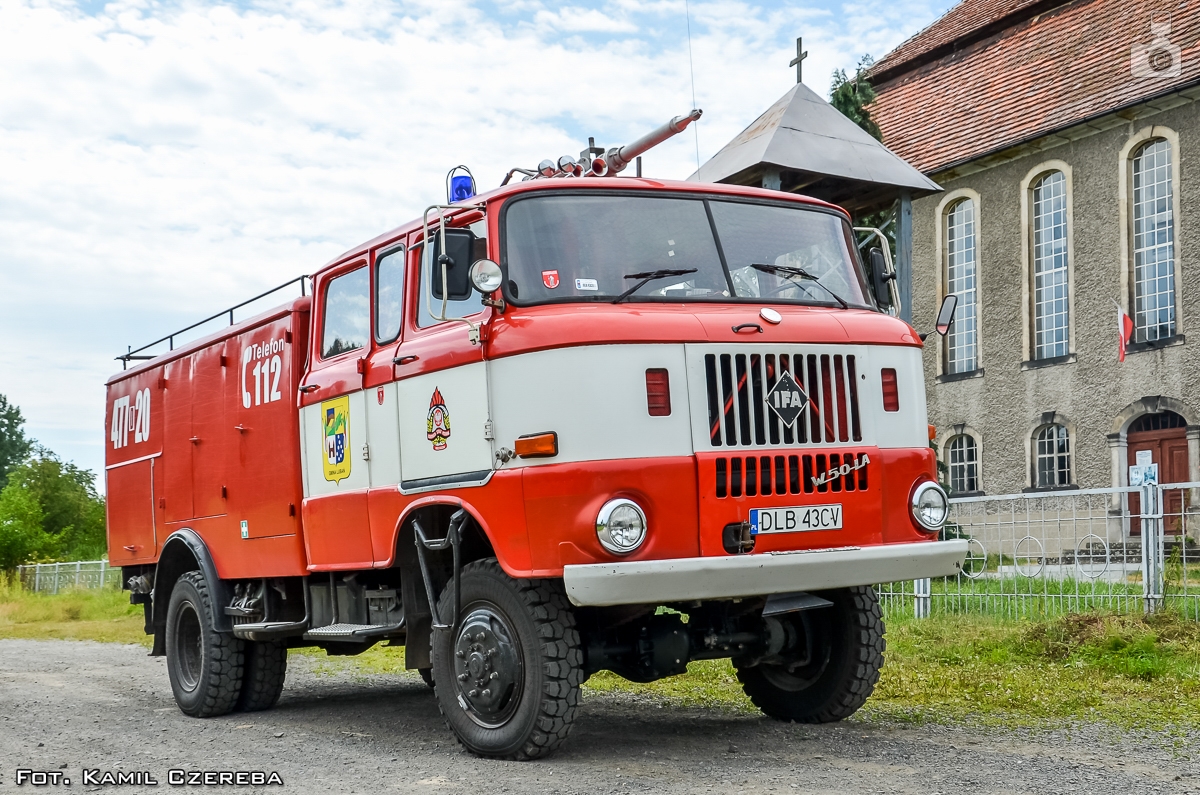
<point>22,536</point>
<point>72,510</point>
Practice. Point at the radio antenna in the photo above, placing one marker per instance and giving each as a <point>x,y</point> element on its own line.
<point>687,11</point>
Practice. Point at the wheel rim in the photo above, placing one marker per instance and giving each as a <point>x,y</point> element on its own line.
<point>188,646</point>
<point>489,669</point>
<point>800,674</point>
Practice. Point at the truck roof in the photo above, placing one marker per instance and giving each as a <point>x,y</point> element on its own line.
<point>589,183</point>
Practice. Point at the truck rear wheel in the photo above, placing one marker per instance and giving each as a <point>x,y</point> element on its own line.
<point>507,674</point>
<point>835,671</point>
<point>265,670</point>
<point>204,666</point>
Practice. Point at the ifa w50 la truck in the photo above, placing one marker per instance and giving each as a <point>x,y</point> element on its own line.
<point>579,423</point>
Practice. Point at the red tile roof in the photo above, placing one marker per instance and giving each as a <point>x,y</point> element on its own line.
<point>967,19</point>
<point>1038,75</point>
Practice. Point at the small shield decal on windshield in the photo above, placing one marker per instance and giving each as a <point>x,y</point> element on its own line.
<point>786,399</point>
<point>550,279</point>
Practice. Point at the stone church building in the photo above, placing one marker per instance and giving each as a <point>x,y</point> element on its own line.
<point>1066,138</point>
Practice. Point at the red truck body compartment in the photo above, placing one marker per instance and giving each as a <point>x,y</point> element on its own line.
<point>207,437</point>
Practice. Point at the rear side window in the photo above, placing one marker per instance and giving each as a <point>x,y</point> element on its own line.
<point>389,296</point>
<point>347,314</point>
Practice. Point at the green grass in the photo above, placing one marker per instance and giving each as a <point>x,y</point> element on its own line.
<point>1130,671</point>
<point>103,614</point>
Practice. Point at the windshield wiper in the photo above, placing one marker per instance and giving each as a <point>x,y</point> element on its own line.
<point>648,277</point>
<point>791,274</point>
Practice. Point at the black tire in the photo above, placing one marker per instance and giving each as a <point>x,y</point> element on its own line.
<point>204,666</point>
<point>834,680</point>
<point>265,670</point>
<point>426,675</point>
<point>507,675</point>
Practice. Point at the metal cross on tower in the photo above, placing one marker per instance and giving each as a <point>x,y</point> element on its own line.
<point>798,61</point>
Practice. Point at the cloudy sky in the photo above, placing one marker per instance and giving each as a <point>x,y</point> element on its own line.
<point>162,160</point>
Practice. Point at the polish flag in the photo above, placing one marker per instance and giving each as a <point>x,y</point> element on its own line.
<point>1124,332</point>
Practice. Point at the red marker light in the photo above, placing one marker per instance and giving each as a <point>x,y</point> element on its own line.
<point>658,392</point>
<point>891,393</point>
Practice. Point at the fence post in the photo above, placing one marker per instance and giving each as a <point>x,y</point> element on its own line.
<point>1152,548</point>
<point>37,577</point>
<point>77,569</point>
<point>103,577</point>
<point>922,593</point>
<point>57,570</point>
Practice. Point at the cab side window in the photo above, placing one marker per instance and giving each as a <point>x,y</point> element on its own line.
<point>389,296</point>
<point>347,314</point>
<point>464,308</point>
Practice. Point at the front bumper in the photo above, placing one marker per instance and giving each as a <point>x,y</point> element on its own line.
<point>690,579</point>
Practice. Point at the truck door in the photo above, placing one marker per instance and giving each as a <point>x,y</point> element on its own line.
<point>442,392</point>
<point>333,422</point>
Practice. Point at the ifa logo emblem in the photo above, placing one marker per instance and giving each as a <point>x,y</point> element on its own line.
<point>550,279</point>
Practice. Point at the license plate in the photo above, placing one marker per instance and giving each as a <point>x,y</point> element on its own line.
<point>795,520</point>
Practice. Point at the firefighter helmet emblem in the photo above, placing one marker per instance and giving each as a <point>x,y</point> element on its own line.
<point>550,279</point>
<point>335,418</point>
<point>438,425</point>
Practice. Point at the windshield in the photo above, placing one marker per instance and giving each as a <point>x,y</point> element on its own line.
<point>599,247</point>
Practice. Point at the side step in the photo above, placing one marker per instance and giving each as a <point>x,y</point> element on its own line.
<point>351,632</point>
<point>269,630</point>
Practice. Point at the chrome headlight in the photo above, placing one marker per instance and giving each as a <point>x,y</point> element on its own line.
<point>929,506</point>
<point>486,276</point>
<point>621,526</point>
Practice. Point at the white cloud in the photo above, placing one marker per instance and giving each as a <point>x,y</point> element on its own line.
<point>159,161</point>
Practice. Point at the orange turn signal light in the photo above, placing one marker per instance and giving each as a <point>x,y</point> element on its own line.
<point>537,445</point>
<point>932,432</point>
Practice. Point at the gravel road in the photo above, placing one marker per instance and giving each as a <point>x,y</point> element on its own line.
<point>69,706</point>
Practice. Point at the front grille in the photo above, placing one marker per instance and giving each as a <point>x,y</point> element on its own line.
<point>739,382</point>
<point>752,476</point>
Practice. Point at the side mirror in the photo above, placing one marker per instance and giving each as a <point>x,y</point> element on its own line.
<point>455,261</point>
<point>945,317</point>
<point>880,277</point>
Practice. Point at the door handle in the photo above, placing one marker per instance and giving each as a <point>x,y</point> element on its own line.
<point>405,359</point>
<point>195,440</point>
<point>309,388</point>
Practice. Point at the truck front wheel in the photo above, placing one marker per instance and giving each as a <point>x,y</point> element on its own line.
<point>833,672</point>
<point>507,674</point>
<point>204,666</point>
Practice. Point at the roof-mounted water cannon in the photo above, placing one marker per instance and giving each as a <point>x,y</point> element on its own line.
<point>618,159</point>
<point>595,162</point>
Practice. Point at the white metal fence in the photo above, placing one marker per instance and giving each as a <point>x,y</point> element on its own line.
<point>1119,550</point>
<point>55,577</point>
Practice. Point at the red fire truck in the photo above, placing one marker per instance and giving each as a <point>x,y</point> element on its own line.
<point>578,423</point>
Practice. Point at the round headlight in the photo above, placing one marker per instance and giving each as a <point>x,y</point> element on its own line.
<point>621,526</point>
<point>930,506</point>
<point>486,276</point>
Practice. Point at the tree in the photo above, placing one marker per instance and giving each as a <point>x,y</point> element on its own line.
<point>14,444</point>
<point>72,511</point>
<point>22,538</point>
<point>852,96</point>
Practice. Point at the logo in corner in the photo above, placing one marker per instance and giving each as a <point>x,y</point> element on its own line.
<point>438,425</point>
<point>335,418</point>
